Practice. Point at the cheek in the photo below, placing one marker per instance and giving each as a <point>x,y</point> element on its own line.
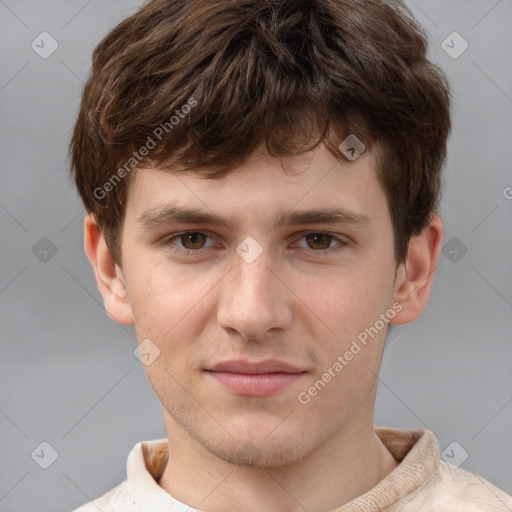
<point>161,295</point>
<point>172,308</point>
<point>342,304</point>
<point>341,314</point>
<point>166,305</point>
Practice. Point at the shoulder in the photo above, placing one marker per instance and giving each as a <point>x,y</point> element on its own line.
<point>453,488</point>
<point>473,488</point>
<point>116,500</point>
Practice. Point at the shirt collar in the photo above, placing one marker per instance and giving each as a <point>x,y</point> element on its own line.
<point>417,451</point>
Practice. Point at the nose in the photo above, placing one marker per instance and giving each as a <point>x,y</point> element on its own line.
<point>254,299</point>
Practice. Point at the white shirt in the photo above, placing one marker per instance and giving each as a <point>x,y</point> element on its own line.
<point>420,483</point>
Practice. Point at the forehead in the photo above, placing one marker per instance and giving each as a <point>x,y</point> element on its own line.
<point>264,186</point>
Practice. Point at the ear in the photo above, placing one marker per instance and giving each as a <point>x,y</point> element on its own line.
<point>109,277</point>
<point>415,277</point>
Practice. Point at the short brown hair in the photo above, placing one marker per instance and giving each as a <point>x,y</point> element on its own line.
<point>215,78</point>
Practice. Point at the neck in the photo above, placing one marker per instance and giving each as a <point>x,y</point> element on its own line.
<point>349,464</point>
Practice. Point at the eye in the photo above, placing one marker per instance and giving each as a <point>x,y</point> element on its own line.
<point>189,241</point>
<point>319,241</point>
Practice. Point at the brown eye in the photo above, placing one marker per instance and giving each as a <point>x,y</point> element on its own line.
<point>193,240</point>
<point>319,241</point>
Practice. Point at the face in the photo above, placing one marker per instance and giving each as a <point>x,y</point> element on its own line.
<point>270,280</point>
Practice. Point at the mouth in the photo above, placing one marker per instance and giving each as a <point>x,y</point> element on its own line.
<point>255,379</point>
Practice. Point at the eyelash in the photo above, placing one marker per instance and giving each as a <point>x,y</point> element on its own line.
<point>167,242</point>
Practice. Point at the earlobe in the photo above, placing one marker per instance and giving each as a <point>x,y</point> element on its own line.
<point>109,276</point>
<point>415,277</point>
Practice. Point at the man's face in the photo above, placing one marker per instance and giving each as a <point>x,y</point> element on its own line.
<point>212,297</point>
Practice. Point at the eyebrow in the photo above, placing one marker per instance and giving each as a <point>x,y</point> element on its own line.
<point>168,215</point>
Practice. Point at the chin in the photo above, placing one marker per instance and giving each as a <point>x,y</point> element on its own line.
<point>259,452</point>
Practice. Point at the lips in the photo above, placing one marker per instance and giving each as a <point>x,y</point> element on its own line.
<point>251,368</point>
<point>256,379</point>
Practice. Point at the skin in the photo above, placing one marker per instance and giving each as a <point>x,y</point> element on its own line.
<point>300,301</point>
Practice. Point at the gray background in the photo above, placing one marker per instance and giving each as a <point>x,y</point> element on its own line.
<point>68,373</point>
